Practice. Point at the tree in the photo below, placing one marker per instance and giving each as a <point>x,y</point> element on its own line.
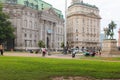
<point>6,29</point>
<point>62,45</point>
<point>41,44</point>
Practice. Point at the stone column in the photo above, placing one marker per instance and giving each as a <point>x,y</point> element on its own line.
<point>41,31</point>
<point>45,33</point>
<point>55,37</point>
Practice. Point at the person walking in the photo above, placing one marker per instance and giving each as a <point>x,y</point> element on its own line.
<point>44,51</point>
<point>73,53</point>
<point>1,49</point>
<point>93,54</point>
<point>99,52</point>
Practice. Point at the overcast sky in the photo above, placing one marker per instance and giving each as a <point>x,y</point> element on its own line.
<point>109,10</point>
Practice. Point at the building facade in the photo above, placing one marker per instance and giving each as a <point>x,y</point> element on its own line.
<point>83,25</point>
<point>119,38</point>
<point>34,20</point>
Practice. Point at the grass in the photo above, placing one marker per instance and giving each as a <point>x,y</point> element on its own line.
<point>30,68</point>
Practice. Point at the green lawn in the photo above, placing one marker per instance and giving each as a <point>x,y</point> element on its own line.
<point>30,68</point>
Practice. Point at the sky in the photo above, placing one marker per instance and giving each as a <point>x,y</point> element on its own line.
<point>109,10</point>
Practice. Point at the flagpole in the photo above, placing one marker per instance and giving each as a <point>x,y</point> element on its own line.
<point>65,35</point>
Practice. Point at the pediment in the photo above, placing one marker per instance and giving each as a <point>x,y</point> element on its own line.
<point>51,14</point>
<point>51,11</point>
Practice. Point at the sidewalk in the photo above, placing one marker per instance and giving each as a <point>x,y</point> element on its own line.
<point>53,55</point>
<point>68,56</point>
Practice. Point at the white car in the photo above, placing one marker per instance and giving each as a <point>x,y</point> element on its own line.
<point>75,50</point>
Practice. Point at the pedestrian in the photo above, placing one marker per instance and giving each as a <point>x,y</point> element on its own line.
<point>44,51</point>
<point>69,51</point>
<point>99,52</point>
<point>83,50</point>
<point>1,49</point>
<point>93,54</point>
<point>73,53</point>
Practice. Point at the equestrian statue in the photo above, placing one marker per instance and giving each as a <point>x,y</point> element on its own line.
<point>109,32</point>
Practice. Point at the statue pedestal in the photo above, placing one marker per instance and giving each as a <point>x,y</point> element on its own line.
<point>110,47</point>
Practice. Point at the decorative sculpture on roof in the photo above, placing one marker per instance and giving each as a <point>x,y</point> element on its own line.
<point>109,32</point>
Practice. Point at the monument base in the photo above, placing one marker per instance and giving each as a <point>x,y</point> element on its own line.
<point>110,47</point>
<point>111,52</point>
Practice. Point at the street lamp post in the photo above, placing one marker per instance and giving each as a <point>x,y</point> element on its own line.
<point>65,37</point>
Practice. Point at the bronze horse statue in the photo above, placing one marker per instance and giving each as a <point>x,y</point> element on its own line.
<point>109,31</point>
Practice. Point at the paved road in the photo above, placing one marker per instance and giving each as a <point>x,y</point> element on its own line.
<point>68,56</point>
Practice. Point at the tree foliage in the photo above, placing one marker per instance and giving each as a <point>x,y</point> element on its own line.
<point>6,29</point>
<point>62,45</point>
<point>41,44</point>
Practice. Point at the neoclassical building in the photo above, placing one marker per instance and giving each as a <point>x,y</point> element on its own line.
<point>119,38</point>
<point>83,25</point>
<point>34,20</point>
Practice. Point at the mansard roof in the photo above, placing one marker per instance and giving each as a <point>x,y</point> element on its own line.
<point>34,4</point>
<point>84,4</point>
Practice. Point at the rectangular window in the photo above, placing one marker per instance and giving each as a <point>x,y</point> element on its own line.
<point>31,5</point>
<point>36,7</point>
<point>11,1</point>
<point>42,6</point>
<point>26,3</point>
<point>25,35</point>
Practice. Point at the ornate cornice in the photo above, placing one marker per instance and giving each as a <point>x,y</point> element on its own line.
<point>92,15</point>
